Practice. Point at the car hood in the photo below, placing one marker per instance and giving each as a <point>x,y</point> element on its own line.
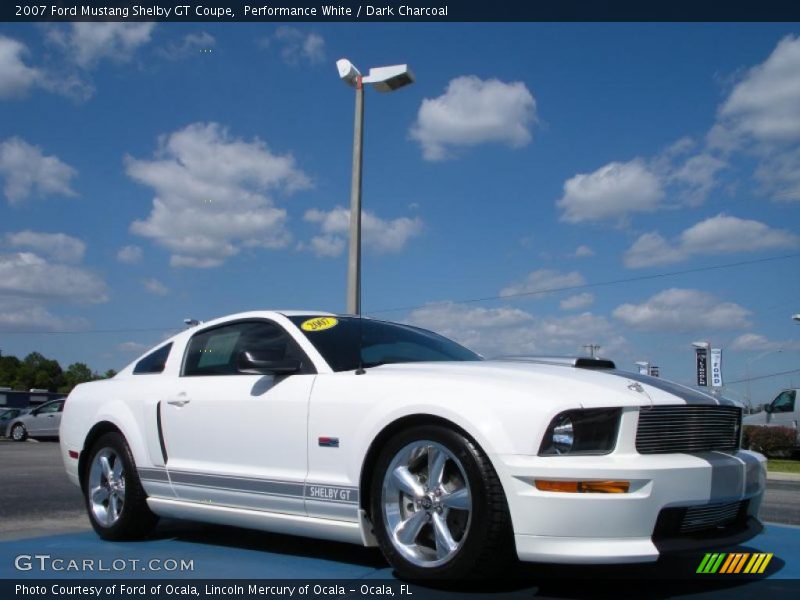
<point>593,387</point>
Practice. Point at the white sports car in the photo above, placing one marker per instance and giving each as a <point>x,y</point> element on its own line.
<point>387,435</point>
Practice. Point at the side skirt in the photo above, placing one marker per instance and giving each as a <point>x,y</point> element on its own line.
<point>326,529</point>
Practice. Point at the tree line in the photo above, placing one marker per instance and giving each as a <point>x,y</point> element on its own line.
<point>40,372</point>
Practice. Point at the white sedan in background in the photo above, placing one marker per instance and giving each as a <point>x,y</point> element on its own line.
<point>387,435</point>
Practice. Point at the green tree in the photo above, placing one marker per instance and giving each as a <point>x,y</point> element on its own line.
<point>9,368</point>
<point>75,374</point>
<point>37,371</point>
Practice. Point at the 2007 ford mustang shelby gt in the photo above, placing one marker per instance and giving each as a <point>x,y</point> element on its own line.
<point>383,434</point>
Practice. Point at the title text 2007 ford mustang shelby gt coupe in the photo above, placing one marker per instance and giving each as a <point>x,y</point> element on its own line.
<point>383,434</point>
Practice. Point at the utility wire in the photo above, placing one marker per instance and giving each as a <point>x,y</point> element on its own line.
<point>540,291</point>
<point>600,283</point>
<point>767,376</point>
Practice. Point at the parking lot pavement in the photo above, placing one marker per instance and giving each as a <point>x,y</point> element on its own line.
<point>39,507</point>
<point>36,498</point>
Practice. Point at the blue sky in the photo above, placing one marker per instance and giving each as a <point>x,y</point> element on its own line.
<point>152,172</point>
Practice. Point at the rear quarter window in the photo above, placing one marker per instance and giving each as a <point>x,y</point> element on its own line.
<point>153,362</point>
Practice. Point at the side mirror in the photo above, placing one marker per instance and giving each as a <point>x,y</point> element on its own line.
<point>253,362</point>
<point>767,407</point>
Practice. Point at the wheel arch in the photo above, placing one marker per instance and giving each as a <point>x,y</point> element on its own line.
<point>371,457</point>
<point>95,433</point>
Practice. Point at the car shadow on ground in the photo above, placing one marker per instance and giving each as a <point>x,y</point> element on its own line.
<point>673,576</point>
<point>250,539</point>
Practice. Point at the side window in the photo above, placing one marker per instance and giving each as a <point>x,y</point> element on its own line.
<point>784,402</point>
<point>50,408</point>
<point>153,362</point>
<point>215,351</point>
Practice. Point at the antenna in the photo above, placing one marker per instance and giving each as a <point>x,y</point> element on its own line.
<point>592,348</point>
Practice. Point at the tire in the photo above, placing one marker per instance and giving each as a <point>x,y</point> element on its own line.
<point>18,433</point>
<point>457,528</point>
<point>117,505</point>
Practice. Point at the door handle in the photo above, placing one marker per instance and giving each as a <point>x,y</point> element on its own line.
<point>180,400</point>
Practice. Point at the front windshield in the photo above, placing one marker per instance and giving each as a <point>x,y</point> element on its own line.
<point>381,342</point>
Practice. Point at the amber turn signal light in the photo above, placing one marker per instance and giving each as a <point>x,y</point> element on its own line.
<point>589,487</point>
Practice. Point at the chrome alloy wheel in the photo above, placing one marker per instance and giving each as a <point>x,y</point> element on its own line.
<point>17,433</point>
<point>427,505</point>
<point>107,487</point>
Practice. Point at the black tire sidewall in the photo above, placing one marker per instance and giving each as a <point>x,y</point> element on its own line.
<point>127,521</point>
<point>460,565</point>
<point>24,435</point>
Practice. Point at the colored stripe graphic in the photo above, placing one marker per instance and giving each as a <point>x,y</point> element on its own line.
<point>724,563</point>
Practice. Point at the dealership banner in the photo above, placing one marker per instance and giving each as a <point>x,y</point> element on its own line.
<point>406,11</point>
<point>702,366</point>
<point>716,367</point>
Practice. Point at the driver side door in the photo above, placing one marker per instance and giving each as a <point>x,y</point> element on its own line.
<point>236,439</point>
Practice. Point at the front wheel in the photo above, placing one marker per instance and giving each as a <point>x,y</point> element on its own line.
<point>115,499</point>
<point>438,507</point>
<point>19,433</point>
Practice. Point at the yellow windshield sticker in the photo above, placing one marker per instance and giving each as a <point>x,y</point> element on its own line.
<point>319,324</point>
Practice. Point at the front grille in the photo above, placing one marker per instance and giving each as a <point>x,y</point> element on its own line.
<point>711,516</point>
<point>703,521</point>
<point>665,429</point>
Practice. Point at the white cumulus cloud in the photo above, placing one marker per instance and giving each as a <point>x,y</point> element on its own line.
<point>683,310</point>
<point>212,195</point>
<point>27,172</point>
<point>129,255</point>
<point>577,302</point>
<point>154,286</point>
<point>192,44</point>
<point>474,111</point>
<point>722,234</point>
<point>58,246</point>
<point>16,77</point>
<point>381,235</point>
<point>507,331</point>
<point>612,192</point>
<point>296,46</point>
<point>88,43</point>
<point>765,104</point>
<point>25,274</point>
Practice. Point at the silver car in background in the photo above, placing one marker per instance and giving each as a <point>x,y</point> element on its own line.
<point>42,421</point>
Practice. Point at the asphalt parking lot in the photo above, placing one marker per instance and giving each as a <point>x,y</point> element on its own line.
<point>36,498</point>
<point>41,512</point>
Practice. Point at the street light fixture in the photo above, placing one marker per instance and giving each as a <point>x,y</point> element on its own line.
<point>383,79</point>
<point>796,317</point>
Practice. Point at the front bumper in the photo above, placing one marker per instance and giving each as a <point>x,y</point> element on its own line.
<point>618,528</point>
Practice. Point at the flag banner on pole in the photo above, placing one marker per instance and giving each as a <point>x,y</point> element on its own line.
<point>702,367</point>
<point>716,367</point>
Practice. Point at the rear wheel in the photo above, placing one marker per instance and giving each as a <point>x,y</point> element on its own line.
<point>438,507</point>
<point>19,433</point>
<point>115,499</point>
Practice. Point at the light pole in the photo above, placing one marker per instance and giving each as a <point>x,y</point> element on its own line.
<point>383,79</point>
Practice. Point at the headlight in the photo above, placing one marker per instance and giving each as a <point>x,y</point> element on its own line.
<point>563,435</point>
<point>575,432</point>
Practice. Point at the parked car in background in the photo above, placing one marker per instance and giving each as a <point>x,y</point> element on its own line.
<point>42,421</point>
<point>388,435</point>
<point>783,411</point>
<point>8,415</point>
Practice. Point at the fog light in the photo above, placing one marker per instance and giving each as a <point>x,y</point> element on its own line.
<point>586,487</point>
